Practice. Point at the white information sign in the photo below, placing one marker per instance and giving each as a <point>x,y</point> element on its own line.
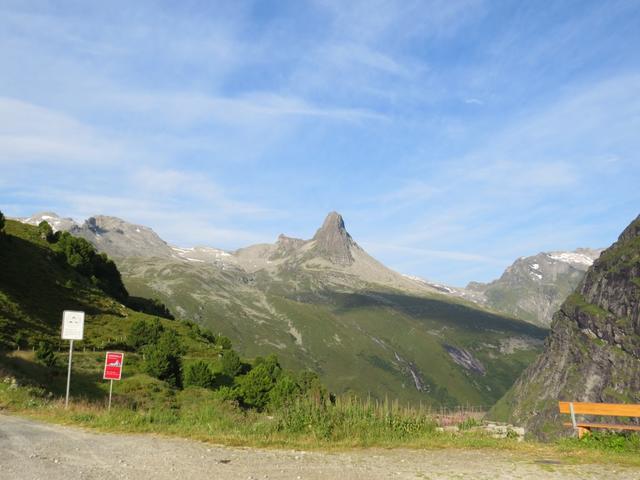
<point>72,325</point>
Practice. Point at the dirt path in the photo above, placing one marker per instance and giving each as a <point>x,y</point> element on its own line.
<point>32,450</point>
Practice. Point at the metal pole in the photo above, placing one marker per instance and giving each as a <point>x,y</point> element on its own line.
<point>66,401</point>
<point>110,391</point>
<point>573,417</point>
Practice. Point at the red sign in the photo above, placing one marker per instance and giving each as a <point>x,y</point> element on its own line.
<point>113,366</point>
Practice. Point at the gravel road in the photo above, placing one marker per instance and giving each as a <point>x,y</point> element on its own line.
<point>33,450</point>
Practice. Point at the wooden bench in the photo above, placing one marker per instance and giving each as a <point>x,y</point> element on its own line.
<point>604,409</point>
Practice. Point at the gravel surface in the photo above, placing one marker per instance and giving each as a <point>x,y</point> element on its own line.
<point>33,450</point>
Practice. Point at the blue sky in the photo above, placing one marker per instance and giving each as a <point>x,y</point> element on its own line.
<point>453,136</point>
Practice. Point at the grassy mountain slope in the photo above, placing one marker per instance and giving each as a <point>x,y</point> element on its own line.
<point>36,285</point>
<point>370,340</point>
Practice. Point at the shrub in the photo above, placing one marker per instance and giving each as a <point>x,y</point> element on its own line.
<point>285,391</point>
<point>46,232</point>
<point>1,221</point>
<point>199,375</point>
<point>312,387</point>
<point>163,359</point>
<point>254,387</point>
<point>224,342</point>
<point>144,332</point>
<point>231,364</point>
<point>45,354</point>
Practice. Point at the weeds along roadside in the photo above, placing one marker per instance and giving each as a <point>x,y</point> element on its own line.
<point>198,414</point>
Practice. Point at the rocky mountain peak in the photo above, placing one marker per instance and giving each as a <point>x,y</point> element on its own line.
<point>332,240</point>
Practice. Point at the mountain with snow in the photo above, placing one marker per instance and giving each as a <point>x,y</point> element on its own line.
<point>533,288</point>
<point>57,223</point>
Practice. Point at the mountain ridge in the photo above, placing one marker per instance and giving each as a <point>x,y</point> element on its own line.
<point>530,294</point>
<point>325,304</point>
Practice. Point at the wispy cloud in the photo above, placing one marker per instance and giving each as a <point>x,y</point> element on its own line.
<point>30,133</point>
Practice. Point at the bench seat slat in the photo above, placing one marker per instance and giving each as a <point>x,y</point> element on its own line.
<point>609,426</point>
<point>606,409</point>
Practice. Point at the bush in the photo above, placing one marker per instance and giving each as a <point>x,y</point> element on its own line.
<point>254,387</point>
<point>231,364</point>
<point>224,342</point>
<point>144,332</point>
<point>1,221</point>
<point>45,354</point>
<point>284,392</point>
<point>46,232</point>
<point>163,359</point>
<point>311,387</point>
<point>199,375</point>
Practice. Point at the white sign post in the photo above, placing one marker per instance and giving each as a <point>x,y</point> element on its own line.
<point>72,329</point>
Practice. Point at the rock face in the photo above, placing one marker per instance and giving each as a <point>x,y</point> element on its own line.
<point>593,351</point>
<point>333,242</point>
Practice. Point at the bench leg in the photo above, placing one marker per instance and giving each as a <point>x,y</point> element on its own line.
<point>582,431</point>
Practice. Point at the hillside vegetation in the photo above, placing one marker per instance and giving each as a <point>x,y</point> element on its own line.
<point>43,274</point>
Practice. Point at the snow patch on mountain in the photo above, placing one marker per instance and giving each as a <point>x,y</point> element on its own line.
<point>572,257</point>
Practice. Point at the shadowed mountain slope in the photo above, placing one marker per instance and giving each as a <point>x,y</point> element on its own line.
<point>593,351</point>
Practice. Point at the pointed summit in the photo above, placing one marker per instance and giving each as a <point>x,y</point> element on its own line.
<point>333,241</point>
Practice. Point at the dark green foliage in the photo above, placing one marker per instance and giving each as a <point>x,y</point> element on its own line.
<point>311,386</point>
<point>144,332</point>
<point>151,306</point>
<point>45,355</point>
<point>163,359</point>
<point>46,232</point>
<point>224,342</point>
<point>199,375</point>
<point>231,364</point>
<point>1,221</point>
<point>82,256</point>
<point>20,340</point>
<point>208,335</point>
<point>254,387</point>
<point>284,392</point>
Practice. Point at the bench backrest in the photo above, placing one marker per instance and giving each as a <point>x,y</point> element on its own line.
<point>607,409</point>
